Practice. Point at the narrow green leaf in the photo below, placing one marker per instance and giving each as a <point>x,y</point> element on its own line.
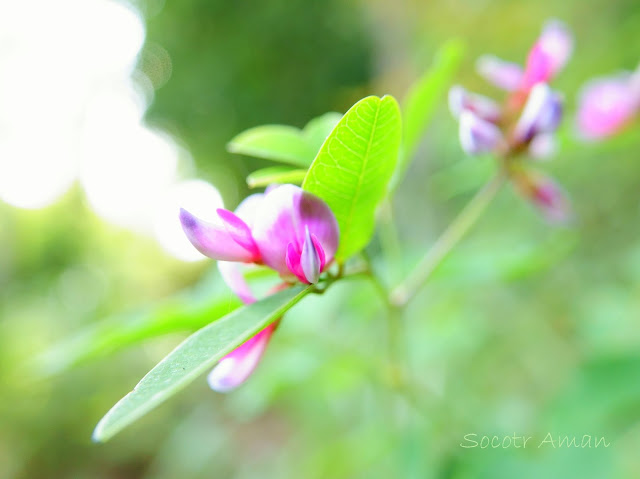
<point>353,168</point>
<point>276,174</point>
<point>420,103</point>
<point>276,143</point>
<point>194,356</point>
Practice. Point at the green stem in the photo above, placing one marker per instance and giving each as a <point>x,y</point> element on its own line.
<point>408,288</point>
<point>390,241</point>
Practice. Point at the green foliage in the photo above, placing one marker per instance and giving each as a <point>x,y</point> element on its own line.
<point>112,335</point>
<point>275,174</point>
<point>274,142</point>
<point>194,356</point>
<point>318,129</point>
<point>353,168</point>
<point>285,144</point>
<point>423,98</point>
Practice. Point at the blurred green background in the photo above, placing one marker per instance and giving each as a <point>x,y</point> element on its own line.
<point>526,329</point>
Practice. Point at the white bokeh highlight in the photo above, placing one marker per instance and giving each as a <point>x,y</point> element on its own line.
<point>198,197</point>
<point>71,112</point>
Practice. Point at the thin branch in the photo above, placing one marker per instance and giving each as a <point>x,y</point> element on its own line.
<point>408,288</point>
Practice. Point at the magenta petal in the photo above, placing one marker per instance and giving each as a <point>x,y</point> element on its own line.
<point>237,366</point>
<point>310,259</point>
<point>542,114</point>
<point>546,195</point>
<point>232,275</point>
<point>478,136</point>
<point>293,262</point>
<point>549,54</point>
<point>606,106</point>
<point>282,218</point>
<point>461,100</point>
<point>505,75</point>
<point>213,240</point>
<point>239,231</point>
<point>320,251</point>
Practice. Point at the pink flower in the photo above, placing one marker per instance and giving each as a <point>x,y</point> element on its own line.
<point>548,55</point>
<point>236,367</point>
<point>546,58</point>
<point>545,194</point>
<point>527,119</point>
<point>541,114</point>
<point>288,229</point>
<point>477,135</point>
<point>608,105</point>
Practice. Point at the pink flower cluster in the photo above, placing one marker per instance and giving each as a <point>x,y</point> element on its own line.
<point>525,122</point>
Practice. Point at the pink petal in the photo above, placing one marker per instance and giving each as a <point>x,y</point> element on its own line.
<point>239,231</point>
<point>548,55</point>
<point>213,240</point>
<point>606,106</point>
<point>320,251</point>
<point>546,195</point>
<point>293,262</point>
<point>505,75</point>
<point>461,100</point>
<point>282,218</point>
<point>237,366</point>
<point>232,275</point>
<point>478,136</point>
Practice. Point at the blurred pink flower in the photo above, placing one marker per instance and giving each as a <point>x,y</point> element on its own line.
<point>608,105</point>
<point>546,58</point>
<point>545,194</point>
<point>527,119</point>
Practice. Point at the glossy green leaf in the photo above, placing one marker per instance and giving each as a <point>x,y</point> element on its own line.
<point>194,356</point>
<point>285,144</point>
<point>353,168</point>
<point>274,142</point>
<point>276,174</point>
<point>425,95</point>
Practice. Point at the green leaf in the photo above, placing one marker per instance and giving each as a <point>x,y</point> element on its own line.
<point>285,144</point>
<point>318,129</point>
<point>353,168</point>
<point>276,174</point>
<point>274,142</point>
<point>198,353</point>
<point>424,96</point>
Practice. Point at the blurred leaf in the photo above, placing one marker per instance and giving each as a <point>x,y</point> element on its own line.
<point>285,144</point>
<point>274,142</point>
<point>353,168</point>
<point>112,335</point>
<point>194,356</point>
<point>603,395</point>
<point>276,174</point>
<point>318,129</point>
<point>423,98</point>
